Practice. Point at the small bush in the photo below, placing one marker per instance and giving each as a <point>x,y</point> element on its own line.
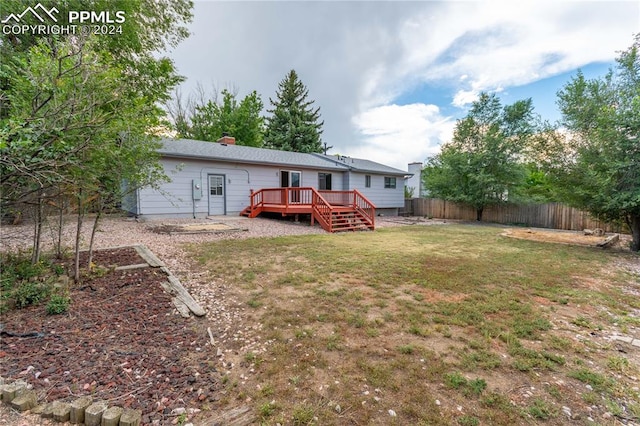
<point>30,293</point>
<point>58,304</point>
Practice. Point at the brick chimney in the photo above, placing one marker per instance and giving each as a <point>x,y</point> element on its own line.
<point>226,140</point>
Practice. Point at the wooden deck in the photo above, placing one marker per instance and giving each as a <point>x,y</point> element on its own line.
<point>333,210</point>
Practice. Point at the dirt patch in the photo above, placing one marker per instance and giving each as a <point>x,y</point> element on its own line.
<point>563,237</point>
<point>121,340</point>
<point>196,228</point>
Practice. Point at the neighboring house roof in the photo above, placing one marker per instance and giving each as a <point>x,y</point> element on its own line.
<point>188,148</point>
<point>363,165</point>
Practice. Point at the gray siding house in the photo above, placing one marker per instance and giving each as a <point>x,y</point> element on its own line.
<point>217,178</point>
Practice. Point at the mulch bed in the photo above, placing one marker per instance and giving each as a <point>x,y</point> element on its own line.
<point>121,340</point>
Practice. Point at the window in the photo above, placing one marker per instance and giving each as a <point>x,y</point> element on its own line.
<point>367,181</point>
<point>324,181</point>
<point>290,179</point>
<point>216,185</point>
<point>389,182</point>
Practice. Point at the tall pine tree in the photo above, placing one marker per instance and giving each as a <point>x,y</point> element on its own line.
<point>294,124</point>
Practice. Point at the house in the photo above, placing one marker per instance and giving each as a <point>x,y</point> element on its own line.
<point>209,178</point>
<point>413,181</point>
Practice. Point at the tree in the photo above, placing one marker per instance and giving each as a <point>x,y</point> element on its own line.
<point>207,120</point>
<point>70,134</point>
<point>293,124</point>
<point>482,165</point>
<point>76,110</point>
<point>600,167</point>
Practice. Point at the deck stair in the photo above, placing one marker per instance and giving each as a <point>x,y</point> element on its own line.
<point>335,211</point>
<point>348,219</point>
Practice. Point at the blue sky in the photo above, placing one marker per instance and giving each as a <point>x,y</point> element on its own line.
<point>391,78</point>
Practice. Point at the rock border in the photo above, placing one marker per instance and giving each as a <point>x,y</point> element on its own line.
<point>82,410</point>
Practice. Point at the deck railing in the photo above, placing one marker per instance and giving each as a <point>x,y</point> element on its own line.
<point>322,211</point>
<point>338,198</point>
<point>365,207</point>
<point>321,204</point>
<point>286,196</point>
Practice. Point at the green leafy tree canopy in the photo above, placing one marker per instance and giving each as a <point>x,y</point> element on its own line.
<point>599,168</point>
<point>207,121</point>
<point>481,165</point>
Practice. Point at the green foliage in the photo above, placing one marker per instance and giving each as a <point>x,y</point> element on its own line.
<point>303,415</point>
<point>477,386</point>
<point>600,167</point>
<point>482,164</point>
<point>406,349</point>
<point>408,192</point>
<point>77,112</point>
<point>542,410</point>
<point>240,120</point>
<point>596,380</point>
<point>58,304</point>
<point>30,293</point>
<point>537,187</point>
<point>467,420</point>
<point>267,409</point>
<point>18,267</point>
<point>294,124</point>
<point>456,380</point>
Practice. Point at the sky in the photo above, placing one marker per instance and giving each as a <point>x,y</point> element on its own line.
<point>391,78</point>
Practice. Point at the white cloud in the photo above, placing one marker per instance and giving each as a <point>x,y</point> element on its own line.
<point>397,135</point>
<point>475,46</point>
<point>464,97</point>
<point>358,58</point>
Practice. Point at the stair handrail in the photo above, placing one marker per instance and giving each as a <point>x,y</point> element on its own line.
<point>366,208</point>
<point>256,199</point>
<point>322,210</point>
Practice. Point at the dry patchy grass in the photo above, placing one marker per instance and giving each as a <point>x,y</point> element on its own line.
<point>431,325</point>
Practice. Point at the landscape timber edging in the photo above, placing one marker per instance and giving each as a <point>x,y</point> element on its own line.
<point>184,303</point>
<point>83,410</point>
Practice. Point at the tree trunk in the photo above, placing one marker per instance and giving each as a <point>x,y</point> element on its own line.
<point>37,231</point>
<point>479,214</point>
<point>76,271</point>
<point>60,225</point>
<point>634,224</point>
<point>93,234</point>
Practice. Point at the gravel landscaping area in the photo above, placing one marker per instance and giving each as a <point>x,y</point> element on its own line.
<point>232,331</point>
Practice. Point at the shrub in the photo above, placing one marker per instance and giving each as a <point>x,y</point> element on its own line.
<point>58,304</point>
<point>30,293</point>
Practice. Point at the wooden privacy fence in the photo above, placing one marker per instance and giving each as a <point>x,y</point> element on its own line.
<point>549,215</point>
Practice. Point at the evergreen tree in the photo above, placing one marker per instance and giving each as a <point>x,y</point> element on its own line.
<point>294,124</point>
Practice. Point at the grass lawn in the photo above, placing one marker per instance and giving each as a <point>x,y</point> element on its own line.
<point>426,325</point>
